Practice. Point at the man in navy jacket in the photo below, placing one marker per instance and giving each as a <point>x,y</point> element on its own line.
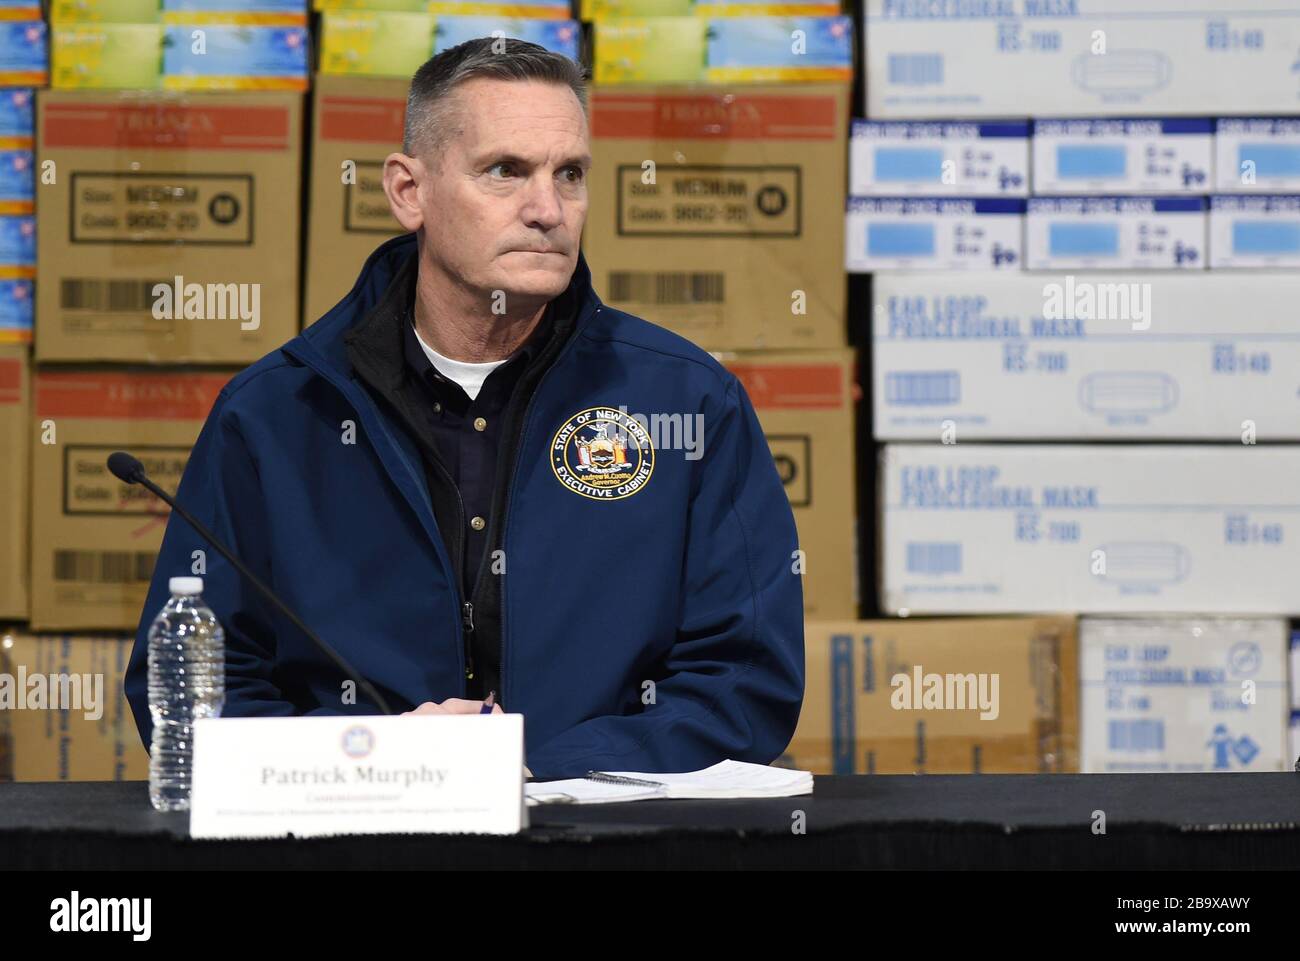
<point>472,476</point>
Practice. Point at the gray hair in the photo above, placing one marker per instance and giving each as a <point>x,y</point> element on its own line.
<point>429,115</point>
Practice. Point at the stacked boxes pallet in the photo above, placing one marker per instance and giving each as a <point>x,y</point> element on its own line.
<point>1091,217</point>
<point>168,241</point>
<point>23,67</point>
<point>953,696</point>
<point>717,183</point>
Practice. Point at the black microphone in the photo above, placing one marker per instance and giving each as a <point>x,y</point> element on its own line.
<point>129,470</point>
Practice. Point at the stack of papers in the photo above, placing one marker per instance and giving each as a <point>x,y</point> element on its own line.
<point>728,779</point>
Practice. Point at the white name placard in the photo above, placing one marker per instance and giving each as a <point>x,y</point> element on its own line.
<point>275,776</point>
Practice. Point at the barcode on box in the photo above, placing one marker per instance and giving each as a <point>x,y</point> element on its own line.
<point>923,387</point>
<point>116,295</point>
<point>933,557</point>
<point>1144,735</point>
<point>104,567</point>
<point>665,287</point>
<point>915,69</point>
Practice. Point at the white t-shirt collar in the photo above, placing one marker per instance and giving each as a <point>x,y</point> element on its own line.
<point>470,377</point>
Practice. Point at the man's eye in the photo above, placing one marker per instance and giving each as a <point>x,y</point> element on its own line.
<point>573,175</point>
<point>501,170</point>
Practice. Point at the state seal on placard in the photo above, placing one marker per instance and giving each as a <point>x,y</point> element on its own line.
<point>603,453</point>
<point>358,741</point>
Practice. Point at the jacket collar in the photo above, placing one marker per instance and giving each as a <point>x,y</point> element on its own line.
<point>324,345</point>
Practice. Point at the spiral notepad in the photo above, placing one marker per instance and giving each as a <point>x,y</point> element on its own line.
<point>728,779</point>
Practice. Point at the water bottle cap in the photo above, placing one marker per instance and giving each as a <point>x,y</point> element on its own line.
<point>185,585</point>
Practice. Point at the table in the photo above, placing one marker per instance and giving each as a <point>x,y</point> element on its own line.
<point>873,821</point>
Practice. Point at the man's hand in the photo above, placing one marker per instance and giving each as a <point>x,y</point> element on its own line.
<point>453,705</point>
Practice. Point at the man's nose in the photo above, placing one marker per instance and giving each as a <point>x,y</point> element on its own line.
<point>543,207</point>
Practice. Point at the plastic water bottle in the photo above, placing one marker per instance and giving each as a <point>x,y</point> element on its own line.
<point>187,681</point>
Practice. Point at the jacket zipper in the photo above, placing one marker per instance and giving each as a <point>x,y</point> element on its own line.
<point>467,625</point>
<point>502,520</point>
<point>458,565</point>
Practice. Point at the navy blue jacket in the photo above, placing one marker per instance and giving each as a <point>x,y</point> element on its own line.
<point>624,563</point>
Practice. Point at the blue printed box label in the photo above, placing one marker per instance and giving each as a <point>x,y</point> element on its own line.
<point>17,120</point>
<point>18,241</point>
<point>236,52</point>
<point>16,305</point>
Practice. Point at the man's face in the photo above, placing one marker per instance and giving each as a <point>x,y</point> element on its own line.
<point>504,202</point>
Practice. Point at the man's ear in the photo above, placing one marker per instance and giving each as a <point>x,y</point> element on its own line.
<point>403,177</point>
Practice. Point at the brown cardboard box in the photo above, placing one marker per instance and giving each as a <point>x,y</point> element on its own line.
<point>15,401</point>
<point>737,241</point>
<point>358,122</point>
<point>854,720</point>
<point>804,402</point>
<point>95,539</point>
<point>153,186</point>
<point>89,734</point>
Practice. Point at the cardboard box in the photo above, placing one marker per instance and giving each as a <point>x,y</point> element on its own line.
<point>918,696</point>
<point>15,422</point>
<point>1179,355</point>
<point>1257,154</point>
<point>1295,670</point>
<point>718,213</point>
<point>94,538</point>
<point>933,233</point>
<point>539,9</point>
<point>18,245</point>
<point>63,715</point>
<point>1026,529</point>
<point>1181,695</point>
<point>106,55</point>
<point>237,57</point>
<point>1132,156</point>
<point>145,44</point>
<point>172,11</point>
<point>722,50</point>
<point>597,10</point>
<point>560,36</point>
<point>357,123</point>
<point>804,402</point>
<point>20,9</point>
<point>17,273</point>
<point>16,307</point>
<point>156,187</point>
<point>1254,231</point>
<point>1080,58</point>
<point>17,118</point>
<point>23,53</point>
<point>397,44</point>
<point>926,159</point>
<point>17,181</point>
<point>1115,233</point>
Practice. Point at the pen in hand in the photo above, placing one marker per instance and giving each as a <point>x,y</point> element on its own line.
<point>488,704</point>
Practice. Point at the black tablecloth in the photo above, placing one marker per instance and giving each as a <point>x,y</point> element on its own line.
<point>1240,821</point>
